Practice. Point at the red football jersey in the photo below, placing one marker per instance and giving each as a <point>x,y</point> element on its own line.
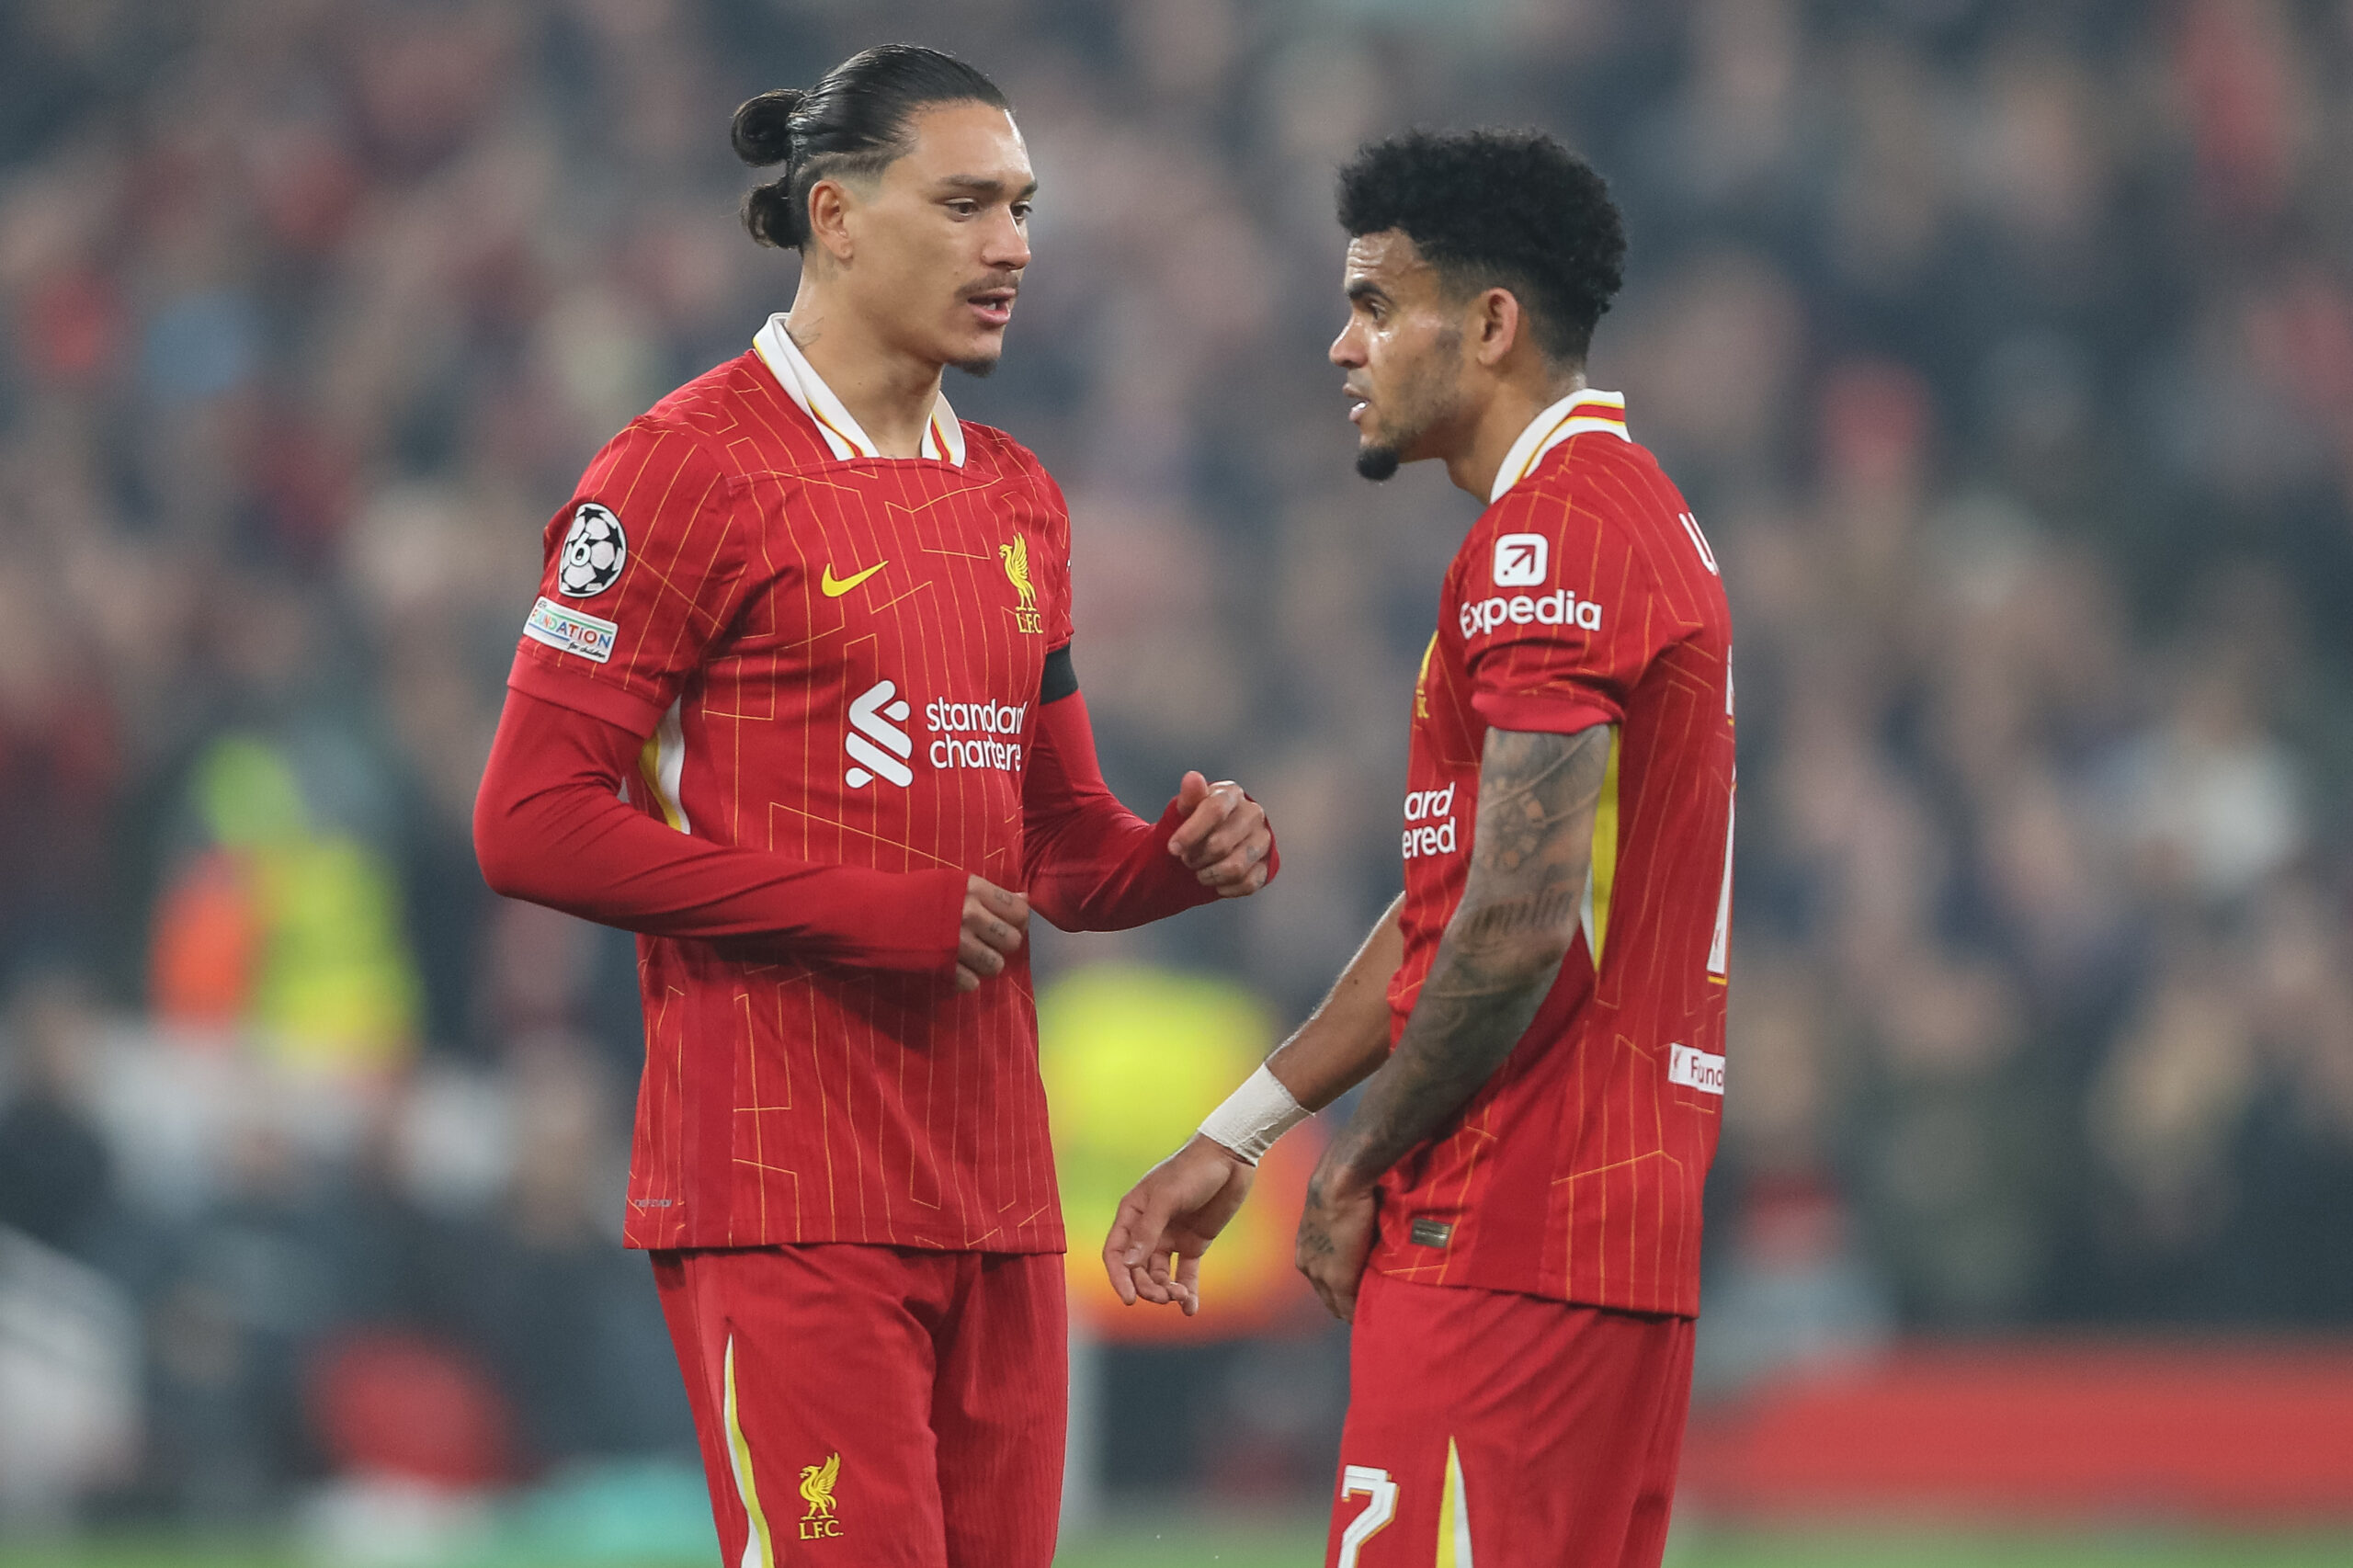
<point>1584,594</point>
<point>836,656</point>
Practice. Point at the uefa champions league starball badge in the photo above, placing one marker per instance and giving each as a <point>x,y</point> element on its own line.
<point>593,552</point>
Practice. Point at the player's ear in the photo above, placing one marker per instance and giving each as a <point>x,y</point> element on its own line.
<point>1496,325</point>
<point>830,203</point>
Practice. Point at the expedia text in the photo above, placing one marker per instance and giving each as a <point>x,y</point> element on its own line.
<point>1559,608</point>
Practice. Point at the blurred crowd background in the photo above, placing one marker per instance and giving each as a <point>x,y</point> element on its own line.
<point>2004,349</point>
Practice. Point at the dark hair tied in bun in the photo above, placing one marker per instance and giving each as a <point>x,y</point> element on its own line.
<point>851,124</point>
<point>763,129</point>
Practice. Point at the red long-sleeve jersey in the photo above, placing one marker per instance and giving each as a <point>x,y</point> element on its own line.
<point>778,699</point>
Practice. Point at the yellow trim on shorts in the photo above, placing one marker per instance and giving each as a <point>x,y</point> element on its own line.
<point>1453,1515</point>
<point>740,1451</point>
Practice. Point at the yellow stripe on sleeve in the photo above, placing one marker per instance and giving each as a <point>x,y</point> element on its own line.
<point>1603,873</point>
<point>663,761</point>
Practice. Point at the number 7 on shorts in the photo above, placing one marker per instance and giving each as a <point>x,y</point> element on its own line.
<point>1363,1480</point>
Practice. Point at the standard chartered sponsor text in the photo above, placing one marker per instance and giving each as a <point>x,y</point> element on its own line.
<point>968,734</point>
<point>1429,823</point>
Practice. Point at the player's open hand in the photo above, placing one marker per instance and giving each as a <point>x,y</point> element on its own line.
<point>1336,1237</point>
<point>1174,1212</point>
<point>1225,838</point>
<point>995,925</point>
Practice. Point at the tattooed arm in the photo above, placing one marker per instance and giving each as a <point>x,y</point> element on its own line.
<point>1529,854</point>
<point>1168,1219</point>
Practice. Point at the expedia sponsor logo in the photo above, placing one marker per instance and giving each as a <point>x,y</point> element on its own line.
<point>1560,608</point>
<point>976,734</point>
<point>1520,559</point>
<point>1694,1069</point>
<point>1429,823</point>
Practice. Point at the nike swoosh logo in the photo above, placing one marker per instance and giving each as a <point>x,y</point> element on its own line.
<point>835,587</point>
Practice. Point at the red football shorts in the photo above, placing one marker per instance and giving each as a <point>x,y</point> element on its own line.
<point>873,1406</point>
<point>1506,1431</point>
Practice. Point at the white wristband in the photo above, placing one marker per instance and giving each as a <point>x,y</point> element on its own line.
<point>1254,1116</point>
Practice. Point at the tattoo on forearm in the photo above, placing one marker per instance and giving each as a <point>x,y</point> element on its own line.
<point>1510,917</point>
<point>1529,854</point>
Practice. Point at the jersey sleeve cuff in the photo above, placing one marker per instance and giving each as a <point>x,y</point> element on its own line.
<point>534,677</point>
<point>1551,713</point>
<point>902,920</point>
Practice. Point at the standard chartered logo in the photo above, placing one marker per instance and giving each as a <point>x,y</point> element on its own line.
<point>963,734</point>
<point>876,746</point>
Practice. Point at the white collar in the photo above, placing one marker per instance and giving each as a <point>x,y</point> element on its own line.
<point>1573,416</point>
<point>943,438</point>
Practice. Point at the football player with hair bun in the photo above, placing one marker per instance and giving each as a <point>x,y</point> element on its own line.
<point>796,705</point>
<point>1510,1218</point>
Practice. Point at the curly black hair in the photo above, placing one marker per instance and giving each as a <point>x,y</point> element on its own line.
<point>1498,209</point>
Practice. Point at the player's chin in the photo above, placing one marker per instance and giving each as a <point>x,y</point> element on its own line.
<point>1377,460</point>
<point>977,353</point>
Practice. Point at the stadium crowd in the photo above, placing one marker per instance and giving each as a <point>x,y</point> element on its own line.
<point>2004,350</point>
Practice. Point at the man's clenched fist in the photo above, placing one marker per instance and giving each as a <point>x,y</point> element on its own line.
<point>1224,837</point>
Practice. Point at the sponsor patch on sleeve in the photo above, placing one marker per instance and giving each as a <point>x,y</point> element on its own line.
<point>567,631</point>
<point>1695,1070</point>
<point>1560,607</point>
<point>1521,560</point>
<point>595,548</point>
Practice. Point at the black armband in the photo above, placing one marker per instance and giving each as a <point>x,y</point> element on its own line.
<point>1059,680</point>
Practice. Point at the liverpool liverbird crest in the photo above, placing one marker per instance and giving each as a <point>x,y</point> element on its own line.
<point>1016,557</point>
<point>817,1486</point>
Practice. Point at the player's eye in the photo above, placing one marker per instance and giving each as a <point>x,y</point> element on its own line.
<point>1021,211</point>
<point>963,207</point>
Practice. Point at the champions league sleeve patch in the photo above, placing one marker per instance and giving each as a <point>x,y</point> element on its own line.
<point>593,549</point>
<point>567,631</point>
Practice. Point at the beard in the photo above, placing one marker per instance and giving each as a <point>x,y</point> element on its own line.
<point>977,368</point>
<point>1425,400</point>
